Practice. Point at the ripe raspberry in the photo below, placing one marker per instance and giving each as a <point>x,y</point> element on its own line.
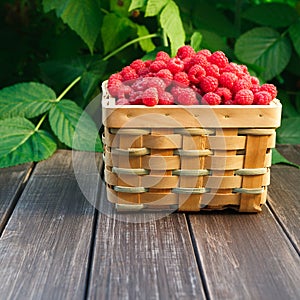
<point>122,101</point>
<point>244,97</point>
<point>150,97</point>
<point>244,69</point>
<point>185,51</point>
<point>197,90</point>
<point>124,91</point>
<point>270,88</point>
<point>129,73</point>
<point>188,63</point>
<point>255,88</point>
<point>157,65</point>
<point>185,96</point>
<point>209,84</point>
<point>182,78</point>
<point>135,98</point>
<point>218,58</point>
<point>212,70</point>
<point>204,52</point>
<point>199,59</point>
<point>166,98</point>
<point>166,75</point>
<point>116,76</point>
<point>262,98</point>
<point>155,82</point>
<point>241,84</point>
<point>175,65</point>
<point>254,80</point>
<point>137,64</point>
<point>162,55</point>
<point>113,86</point>
<point>211,99</point>
<point>143,71</point>
<point>148,62</point>
<point>227,79</point>
<point>232,68</point>
<point>140,84</point>
<point>225,94</point>
<point>196,73</point>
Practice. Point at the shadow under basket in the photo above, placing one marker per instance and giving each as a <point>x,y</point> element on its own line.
<point>188,158</point>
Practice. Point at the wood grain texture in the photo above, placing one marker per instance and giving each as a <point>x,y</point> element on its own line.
<point>12,181</point>
<point>45,246</point>
<point>151,260</point>
<point>246,256</point>
<point>284,193</point>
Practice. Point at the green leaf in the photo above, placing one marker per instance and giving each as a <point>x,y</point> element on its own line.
<point>154,7</point>
<point>115,31</point>
<point>147,45</point>
<point>196,40</point>
<point>121,8</point>
<point>278,158</point>
<point>271,14</point>
<point>21,142</point>
<point>288,132</point>
<point>294,32</point>
<point>206,16</point>
<point>288,109</point>
<point>25,100</point>
<point>266,48</point>
<point>171,23</point>
<point>84,17</point>
<point>74,127</point>
<point>213,41</point>
<point>135,4</point>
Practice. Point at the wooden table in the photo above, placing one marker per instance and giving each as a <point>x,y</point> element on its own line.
<point>55,245</point>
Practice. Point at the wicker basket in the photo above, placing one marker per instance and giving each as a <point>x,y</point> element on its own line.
<point>188,158</point>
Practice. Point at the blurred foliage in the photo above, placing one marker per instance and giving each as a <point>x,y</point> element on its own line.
<point>55,42</point>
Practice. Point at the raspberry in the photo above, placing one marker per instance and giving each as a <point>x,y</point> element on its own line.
<point>199,59</point>
<point>129,73</point>
<point>255,88</point>
<point>150,97</point>
<point>140,84</point>
<point>136,97</point>
<point>244,69</point>
<point>124,91</point>
<point>218,58</point>
<point>175,65</point>
<point>113,86</point>
<point>143,71</point>
<point>227,79</point>
<point>122,101</point>
<point>166,98</point>
<point>185,51</point>
<point>208,84</point>
<point>196,73</point>
<point>148,62</point>
<point>157,65</point>
<point>244,97</point>
<point>262,98</point>
<point>188,63</point>
<point>137,64</point>
<point>155,82</point>
<point>204,52</point>
<point>185,96</point>
<point>225,94</point>
<point>162,55</point>
<point>232,68</point>
<point>196,89</point>
<point>254,80</point>
<point>212,70</point>
<point>116,76</point>
<point>241,84</point>
<point>182,78</point>
<point>270,88</point>
<point>166,75</point>
<point>211,99</point>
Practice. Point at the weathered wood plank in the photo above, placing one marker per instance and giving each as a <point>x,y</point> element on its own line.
<point>12,181</point>
<point>284,194</point>
<point>45,246</point>
<point>145,260</point>
<point>246,256</point>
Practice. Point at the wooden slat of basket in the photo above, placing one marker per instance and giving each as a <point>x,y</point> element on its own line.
<point>157,162</point>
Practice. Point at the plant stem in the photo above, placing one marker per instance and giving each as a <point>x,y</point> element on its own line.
<point>37,127</point>
<point>68,88</point>
<point>149,36</point>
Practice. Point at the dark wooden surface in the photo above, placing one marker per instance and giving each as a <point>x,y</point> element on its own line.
<point>55,245</point>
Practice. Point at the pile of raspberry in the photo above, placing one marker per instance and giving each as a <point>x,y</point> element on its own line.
<point>189,78</point>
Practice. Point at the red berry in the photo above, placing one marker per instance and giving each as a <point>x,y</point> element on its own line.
<point>148,62</point>
<point>199,59</point>
<point>255,88</point>
<point>262,98</point>
<point>241,84</point>
<point>129,73</point>
<point>270,88</point>
<point>137,64</point>
<point>122,101</point>
<point>166,75</point>
<point>218,58</point>
<point>196,73</point>
<point>184,96</point>
<point>140,84</point>
<point>136,98</point>
<point>157,65</point>
<point>162,55</point>
<point>227,79</point>
<point>208,84</point>
<point>113,86</point>
<point>211,99</point>
<point>143,71</point>
<point>150,97</point>
<point>185,51</point>
<point>175,65</point>
<point>212,70</point>
<point>124,91</point>
<point>155,82</point>
<point>166,98</point>
<point>182,78</point>
<point>244,97</point>
<point>254,80</point>
<point>225,94</point>
<point>116,76</point>
<point>204,52</point>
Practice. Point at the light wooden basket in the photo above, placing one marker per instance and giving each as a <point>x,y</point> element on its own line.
<point>188,158</point>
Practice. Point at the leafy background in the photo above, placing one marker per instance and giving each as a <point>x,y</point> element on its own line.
<point>52,49</point>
